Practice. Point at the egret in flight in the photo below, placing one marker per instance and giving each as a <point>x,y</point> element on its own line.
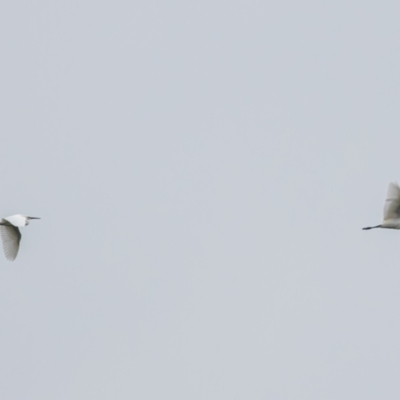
<point>10,234</point>
<point>391,211</point>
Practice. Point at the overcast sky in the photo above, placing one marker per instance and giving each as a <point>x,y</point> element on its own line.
<point>203,170</point>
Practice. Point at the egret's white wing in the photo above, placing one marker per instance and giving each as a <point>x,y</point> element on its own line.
<point>392,204</point>
<point>11,237</point>
<point>16,220</point>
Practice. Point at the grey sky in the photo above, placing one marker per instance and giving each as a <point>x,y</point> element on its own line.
<point>203,171</point>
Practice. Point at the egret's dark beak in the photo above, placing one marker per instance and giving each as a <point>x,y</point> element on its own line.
<point>34,218</point>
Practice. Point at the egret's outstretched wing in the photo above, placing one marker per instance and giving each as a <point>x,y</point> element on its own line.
<point>11,236</point>
<point>17,220</point>
<point>392,204</point>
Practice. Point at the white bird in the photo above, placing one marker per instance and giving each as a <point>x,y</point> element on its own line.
<point>391,210</point>
<point>10,234</point>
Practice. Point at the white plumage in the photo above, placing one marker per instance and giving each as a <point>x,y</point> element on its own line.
<point>10,234</point>
<point>391,210</point>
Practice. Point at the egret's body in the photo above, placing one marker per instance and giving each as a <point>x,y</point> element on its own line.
<point>10,234</point>
<point>391,211</point>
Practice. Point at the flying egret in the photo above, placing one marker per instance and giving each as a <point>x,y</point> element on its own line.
<point>11,235</point>
<point>391,211</point>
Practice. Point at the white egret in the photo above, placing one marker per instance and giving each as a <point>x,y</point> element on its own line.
<point>391,211</point>
<point>10,234</point>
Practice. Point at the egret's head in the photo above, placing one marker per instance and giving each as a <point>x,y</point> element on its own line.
<point>29,218</point>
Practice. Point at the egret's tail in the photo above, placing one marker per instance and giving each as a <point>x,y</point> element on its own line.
<point>371,227</point>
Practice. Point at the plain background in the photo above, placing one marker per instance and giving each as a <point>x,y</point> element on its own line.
<point>203,171</point>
